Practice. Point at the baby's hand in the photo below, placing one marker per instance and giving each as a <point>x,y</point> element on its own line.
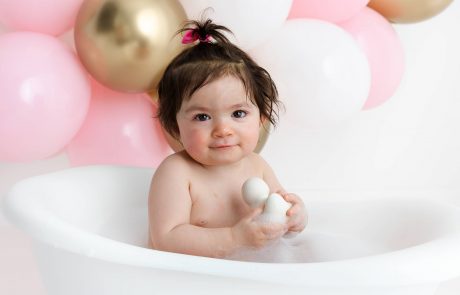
<point>297,214</point>
<point>250,233</point>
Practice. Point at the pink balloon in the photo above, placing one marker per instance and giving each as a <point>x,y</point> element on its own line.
<point>376,36</point>
<point>3,29</point>
<point>52,17</point>
<point>44,96</point>
<point>120,128</point>
<point>328,10</point>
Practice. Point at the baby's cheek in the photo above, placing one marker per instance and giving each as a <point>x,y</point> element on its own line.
<point>194,136</point>
<point>195,142</point>
<point>196,152</point>
<point>252,138</point>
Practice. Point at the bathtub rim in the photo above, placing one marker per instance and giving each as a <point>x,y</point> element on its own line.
<point>59,234</point>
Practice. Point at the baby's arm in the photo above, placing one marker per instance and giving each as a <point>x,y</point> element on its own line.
<point>169,217</point>
<point>297,214</point>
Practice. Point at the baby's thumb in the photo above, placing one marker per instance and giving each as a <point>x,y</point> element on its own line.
<point>256,212</point>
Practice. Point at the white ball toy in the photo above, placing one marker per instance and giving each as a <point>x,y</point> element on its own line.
<point>255,192</point>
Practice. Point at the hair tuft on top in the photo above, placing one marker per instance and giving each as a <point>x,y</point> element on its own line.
<point>203,29</point>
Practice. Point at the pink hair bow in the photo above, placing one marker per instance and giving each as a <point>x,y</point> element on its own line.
<point>191,36</point>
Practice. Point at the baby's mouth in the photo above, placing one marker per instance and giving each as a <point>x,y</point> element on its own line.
<point>222,146</point>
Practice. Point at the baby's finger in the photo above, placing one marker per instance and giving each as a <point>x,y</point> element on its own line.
<point>296,224</point>
<point>275,234</point>
<point>281,193</point>
<point>273,228</point>
<point>293,210</point>
<point>288,197</point>
<point>292,222</point>
<point>293,198</point>
<point>255,213</point>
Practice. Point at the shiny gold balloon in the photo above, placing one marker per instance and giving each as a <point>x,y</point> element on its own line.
<point>408,11</point>
<point>127,44</point>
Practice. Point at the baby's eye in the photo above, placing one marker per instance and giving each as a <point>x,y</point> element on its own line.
<point>202,117</point>
<point>239,114</point>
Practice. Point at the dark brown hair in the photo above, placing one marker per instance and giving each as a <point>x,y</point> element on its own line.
<point>212,57</point>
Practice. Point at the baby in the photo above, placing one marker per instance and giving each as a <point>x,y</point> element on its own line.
<point>214,99</point>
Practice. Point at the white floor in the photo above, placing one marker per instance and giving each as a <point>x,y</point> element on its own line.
<point>18,271</point>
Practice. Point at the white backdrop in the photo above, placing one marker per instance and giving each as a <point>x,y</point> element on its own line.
<point>412,142</point>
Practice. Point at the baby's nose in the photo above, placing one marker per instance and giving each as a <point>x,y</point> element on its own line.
<point>222,129</point>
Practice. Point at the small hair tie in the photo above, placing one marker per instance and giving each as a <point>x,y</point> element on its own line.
<point>191,36</point>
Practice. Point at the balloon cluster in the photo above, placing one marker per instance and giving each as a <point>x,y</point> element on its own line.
<point>330,59</point>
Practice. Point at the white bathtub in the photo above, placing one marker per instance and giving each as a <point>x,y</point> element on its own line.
<point>90,227</point>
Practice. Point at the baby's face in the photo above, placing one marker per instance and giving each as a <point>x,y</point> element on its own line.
<point>219,124</point>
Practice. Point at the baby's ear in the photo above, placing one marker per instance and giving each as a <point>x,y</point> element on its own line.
<point>173,141</point>
<point>263,120</point>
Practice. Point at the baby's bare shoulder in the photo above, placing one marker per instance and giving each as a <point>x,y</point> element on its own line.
<point>176,159</point>
<point>256,160</point>
<point>173,174</point>
<point>176,164</point>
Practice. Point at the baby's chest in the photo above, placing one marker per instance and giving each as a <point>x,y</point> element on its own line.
<point>214,208</point>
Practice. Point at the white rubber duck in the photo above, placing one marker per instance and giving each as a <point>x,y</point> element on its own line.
<point>256,193</point>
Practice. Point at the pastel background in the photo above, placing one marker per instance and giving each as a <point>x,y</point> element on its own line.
<point>410,142</point>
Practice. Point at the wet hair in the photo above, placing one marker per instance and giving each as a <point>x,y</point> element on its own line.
<point>212,56</point>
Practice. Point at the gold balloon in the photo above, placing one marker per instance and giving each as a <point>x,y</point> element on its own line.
<point>408,11</point>
<point>127,44</point>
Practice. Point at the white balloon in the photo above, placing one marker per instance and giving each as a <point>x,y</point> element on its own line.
<point>322,75</point>
<point>251,21</point>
